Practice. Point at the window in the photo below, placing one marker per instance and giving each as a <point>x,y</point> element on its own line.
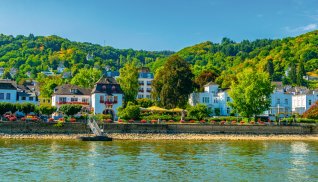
<point>85,100</point>
<point>148,89</point>
<point>148,82</point>
<point>228,99</point>
<point>23,98</point>
<point>74,91</point>
<point>62,99</point>
<point>278,101</point>
<point>1,96</point>
<point>215,101</point>
<point>228,110</point>
<point>140,96</point>
<point>30,98</point>
<point>8,96</point>
<point>115,99</point>
<point>101,99</point>
<point>148,96</point>
<point>309,102</point>
<point>205,99</point>
<point>286,101</point>
<point>141,82</point>
<point>74,99</point>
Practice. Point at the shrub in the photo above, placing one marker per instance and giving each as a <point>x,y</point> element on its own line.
<point>312,112</point>
<point>46,110</point>
<point>130,112</point>
<point>144,102</point>
<point>199,111</point>
<point>70,109</point>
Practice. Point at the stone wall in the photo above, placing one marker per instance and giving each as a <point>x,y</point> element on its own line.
<point>42,128</point>
<point>80,128</point>
<point>208,129</point>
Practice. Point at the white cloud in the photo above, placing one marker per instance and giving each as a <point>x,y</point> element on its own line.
<point>309,27</point>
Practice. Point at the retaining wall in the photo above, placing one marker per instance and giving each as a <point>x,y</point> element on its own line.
<point>80,128</point>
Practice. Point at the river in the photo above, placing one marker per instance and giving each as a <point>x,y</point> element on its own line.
<point>68,160</point>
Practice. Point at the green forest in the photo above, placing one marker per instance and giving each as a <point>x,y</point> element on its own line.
<point>286,60</point>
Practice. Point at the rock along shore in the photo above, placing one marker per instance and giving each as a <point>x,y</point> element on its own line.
<point>185,137</point>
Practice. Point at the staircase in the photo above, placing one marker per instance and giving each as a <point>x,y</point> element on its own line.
<point>95,128</point>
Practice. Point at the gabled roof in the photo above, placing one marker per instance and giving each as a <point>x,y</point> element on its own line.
<point>107,85</point>
<point>66,89</point>
<point>8,85</point>
<point>210,83</point>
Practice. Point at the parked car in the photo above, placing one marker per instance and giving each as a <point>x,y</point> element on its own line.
<point>10,117</point>
<point>30,117</point>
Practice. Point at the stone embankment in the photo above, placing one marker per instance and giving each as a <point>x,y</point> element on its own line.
<point>159,131</point>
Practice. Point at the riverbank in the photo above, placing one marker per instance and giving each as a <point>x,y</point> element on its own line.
<point>190,137</point>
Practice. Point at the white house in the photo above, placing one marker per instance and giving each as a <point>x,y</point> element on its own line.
<point>145,78</point>
<point>71,94</point>
<point>215,99</point>
<point>107,96</point>
<point>8,91</point>
<point>303,100</point>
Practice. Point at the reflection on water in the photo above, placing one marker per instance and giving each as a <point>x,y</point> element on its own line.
<point>54,160</point>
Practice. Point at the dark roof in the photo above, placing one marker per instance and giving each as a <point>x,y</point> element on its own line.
<point>69,89</point>
<point>7,85</point>
<point>107,85</point>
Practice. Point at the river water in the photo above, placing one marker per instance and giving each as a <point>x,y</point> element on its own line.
<point>56,160</point>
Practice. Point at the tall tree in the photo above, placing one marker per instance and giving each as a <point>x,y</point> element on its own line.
<point>86,78</point>
<point>205,77</point>
<point>128,80</point>
<point>173,83</point>
<point>270,68</point>
<point>292,73</point>
<point>300,73</point>
<point>251,93</point>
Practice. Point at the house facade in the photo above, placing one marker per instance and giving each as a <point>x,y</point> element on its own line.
<point>303,100</point>
<point>8,92</point>
<point>107,96</point>
<point>215,99</point>
<point>145,78</point>
<point>71,94</point>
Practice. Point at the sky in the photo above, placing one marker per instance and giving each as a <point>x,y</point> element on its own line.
<point>158,24</point>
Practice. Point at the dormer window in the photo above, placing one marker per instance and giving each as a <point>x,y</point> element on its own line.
<point>74,91</point>
<point>113,88</point>
<point>104,87</point>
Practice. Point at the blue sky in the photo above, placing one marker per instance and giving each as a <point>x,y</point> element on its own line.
<point>158,24</point>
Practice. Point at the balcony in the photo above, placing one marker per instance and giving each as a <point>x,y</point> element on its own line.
<point>109,102</point>
<point>141,90</point>
<point>141,83</point>
<point>80,103</point>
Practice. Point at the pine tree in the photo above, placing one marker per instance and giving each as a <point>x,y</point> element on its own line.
<point>300,73</point>
<point>292,73</point>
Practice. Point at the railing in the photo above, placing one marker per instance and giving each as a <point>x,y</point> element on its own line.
<point>109,102</point>
<point>81,103</point>
<point>94,127</point>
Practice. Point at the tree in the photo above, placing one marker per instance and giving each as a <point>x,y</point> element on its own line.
<point>205,77</point>
<point>26,107</point>
<point>70,109</point>
<point>312,112</point>
<point>199,111</point>
<point>270,68</point>
<point>300,73</point>
<point>6,75</point>
<point>86,78</point>
<point>144,102</point>
<point>128,80</point>
<point>292,73</point>
<point>173,83</point>
<point>47,84</point>
<point>130,112</point>
<point>251,93</point>
<point>46,110</point>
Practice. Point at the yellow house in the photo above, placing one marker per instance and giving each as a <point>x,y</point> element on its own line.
<point>47,101</point>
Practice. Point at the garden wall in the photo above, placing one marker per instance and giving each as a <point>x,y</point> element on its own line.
<point>80,128</point>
